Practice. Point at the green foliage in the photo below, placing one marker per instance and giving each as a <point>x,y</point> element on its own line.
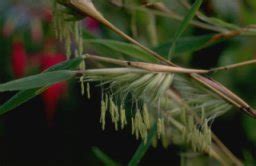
<point>142,149</point>
<point>184,25</point>
<point>104,158</point>
<point>185,45</point>
<point>128,50</point>
<point>25,95</point>
<point>249,126</point>
<point>36,81</point>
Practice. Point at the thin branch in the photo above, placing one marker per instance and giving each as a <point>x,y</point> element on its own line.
<point>226,94</point>
<point>146,66</point>
<point>161,9</point>
<point>248,30</point>
<point>228,67</point>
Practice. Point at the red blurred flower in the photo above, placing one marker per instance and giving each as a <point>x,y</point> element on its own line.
<point>50,59</point>
<point>51,98</point>
<point>45,59</point>
<point>92,25</point>
<point>47,15</point>
<point>18,59</point>
<point>53,94</point>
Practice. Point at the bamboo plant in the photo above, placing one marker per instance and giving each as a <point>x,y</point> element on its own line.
<point>167,102</point>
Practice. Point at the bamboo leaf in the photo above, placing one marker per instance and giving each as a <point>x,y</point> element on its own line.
<point>67,65</point>
<point>218,22</point>
<point>184,24</point>
<point>105,159</point>
<point>19,98</point>
<point>185,45</point>
<point>25,95</point>
<point>127,49</point>
<point>142,149</point>
<point>36,81</point>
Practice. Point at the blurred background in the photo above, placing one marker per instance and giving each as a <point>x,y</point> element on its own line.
<point>62,126</point>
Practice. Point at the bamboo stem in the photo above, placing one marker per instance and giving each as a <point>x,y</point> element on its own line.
<point>166,12</point>
<point>228,67</point>
<point>146,66</point>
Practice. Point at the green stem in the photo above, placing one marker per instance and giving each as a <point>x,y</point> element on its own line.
<point>142,149</point>
<point>228,67</point>
<point>105,159</point>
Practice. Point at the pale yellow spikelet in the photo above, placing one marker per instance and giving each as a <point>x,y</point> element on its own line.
<point>67,31</point>
<point>82,67</point>
<point>82,85</point>
<point>88,90</point>
<point>144,133</point>
<point>103,114</point>
<point>133,128</point>
<point>78,39</point>
<point>159,128</point>
<point>207,133</point>
<point>116,117</point>
<point>114,112</point>
<point>111,108</point>
<point>146,117</point>
<point>140,128</point>
<point>136,124</point>
<point>122,117</point>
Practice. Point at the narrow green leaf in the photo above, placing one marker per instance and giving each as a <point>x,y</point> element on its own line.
<point>105,159</point>
<point>218,22</point>
<point>126,49</point>
<point>19,98</point>
<point>66,65</point>
<point>142,149</point>
<point>185,45</point>
<point>184,24</point>
<point>36,81</point>
<point>25,95</point>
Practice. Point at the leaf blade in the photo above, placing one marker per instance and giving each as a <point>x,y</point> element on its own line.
<point>186,44</point>
<point>127,49</point>
<point>25,95</point>
<point>104,158</point>
<point>36,81</point>
<point>142,149</point>
<point>185,22</point>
